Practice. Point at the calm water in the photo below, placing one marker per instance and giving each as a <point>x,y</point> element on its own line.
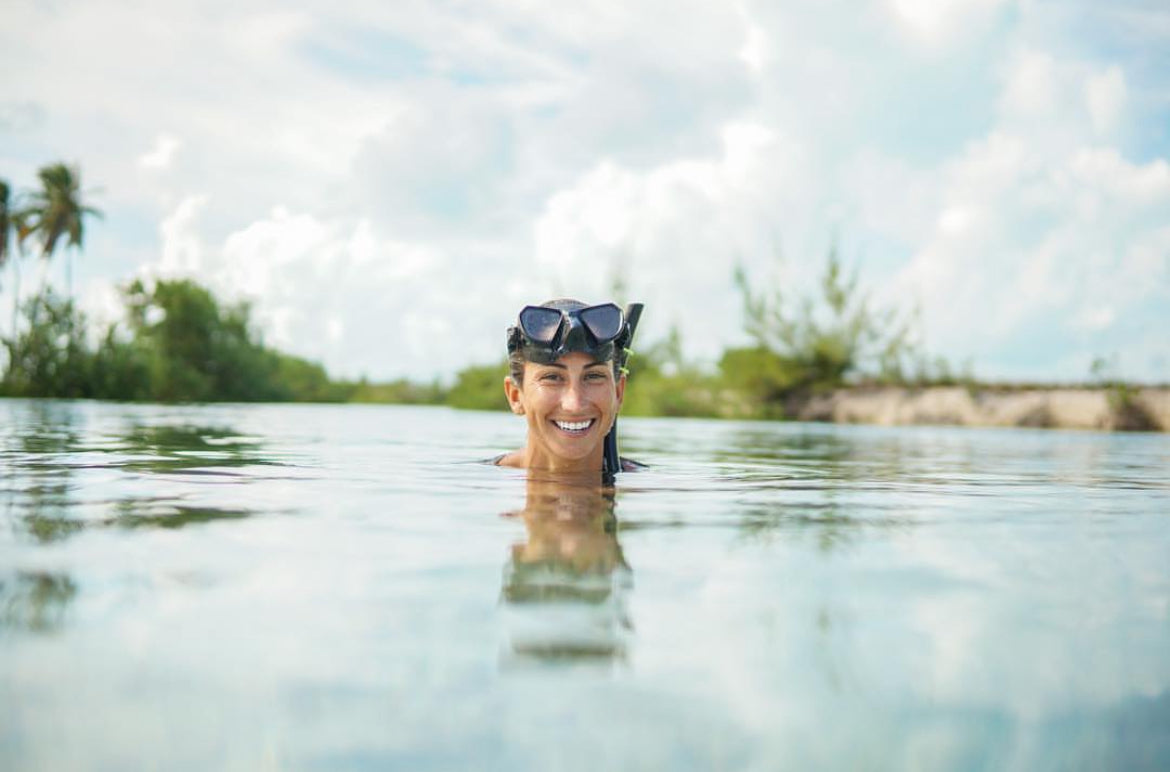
<point>289,587</point>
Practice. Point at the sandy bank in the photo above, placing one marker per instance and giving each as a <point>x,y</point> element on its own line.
<point>1145,409</point>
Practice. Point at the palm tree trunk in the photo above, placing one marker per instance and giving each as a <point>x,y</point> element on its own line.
<point>15,293</point>
<point>44,278</point>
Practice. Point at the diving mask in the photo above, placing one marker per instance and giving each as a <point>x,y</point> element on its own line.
<point>548,332</point>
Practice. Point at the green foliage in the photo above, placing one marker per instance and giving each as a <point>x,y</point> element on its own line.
<point>305,381</point>
<point>661,382</point>
<point>56,211</point>
<point>762,376</point>
<point>818,343</point>
<point>480,387</point>
<point>14,220</point>
<point>1129,413</point>
<point>197,351</point>
<point>5,221</point>
<point>121,369</point>
<point>50,358</point>
<point>178,345</point>
<point>57,207</point>
<point>401,391</point>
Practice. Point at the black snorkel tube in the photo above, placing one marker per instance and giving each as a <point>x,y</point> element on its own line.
<point>611,462</point>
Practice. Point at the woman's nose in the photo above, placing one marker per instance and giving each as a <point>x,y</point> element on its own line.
<point>571,397</point>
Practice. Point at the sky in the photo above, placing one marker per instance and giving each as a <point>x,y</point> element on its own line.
<point>388,183</point>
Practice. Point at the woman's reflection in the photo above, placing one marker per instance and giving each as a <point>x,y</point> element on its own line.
<point>565,586</point>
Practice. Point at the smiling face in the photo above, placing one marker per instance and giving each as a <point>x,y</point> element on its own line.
<point>570,406</point>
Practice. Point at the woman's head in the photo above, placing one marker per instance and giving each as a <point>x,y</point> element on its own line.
<point>565,377</point>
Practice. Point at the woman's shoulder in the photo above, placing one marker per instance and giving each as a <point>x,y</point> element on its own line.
<point>628,464</point>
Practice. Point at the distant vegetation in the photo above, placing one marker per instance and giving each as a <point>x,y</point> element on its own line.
<point>178,343</point>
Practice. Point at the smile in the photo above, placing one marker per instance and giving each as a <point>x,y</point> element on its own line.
<point>575,427</point>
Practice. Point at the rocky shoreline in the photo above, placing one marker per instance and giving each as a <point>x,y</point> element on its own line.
<point>1102,409</point>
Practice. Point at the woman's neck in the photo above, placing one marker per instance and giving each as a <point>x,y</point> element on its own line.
<point>537,458</point>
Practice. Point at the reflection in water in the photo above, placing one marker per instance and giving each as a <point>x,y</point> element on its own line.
<point>828,524</point>
<point>135,514</point>
<point>44,455</point>
<point>35,480</point>
<point>187,449</point>
<point>35,601</point>
<point>565,586</point>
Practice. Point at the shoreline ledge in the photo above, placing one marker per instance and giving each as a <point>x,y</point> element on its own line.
<point>1100,409</point>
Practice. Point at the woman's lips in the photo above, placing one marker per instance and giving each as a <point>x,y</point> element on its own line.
<point>574,427</point>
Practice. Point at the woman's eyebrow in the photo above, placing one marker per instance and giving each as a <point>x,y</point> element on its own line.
<point>559,366</point>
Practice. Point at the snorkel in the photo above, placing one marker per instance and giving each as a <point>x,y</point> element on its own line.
<point>611,462</point>
<point>545,333</point>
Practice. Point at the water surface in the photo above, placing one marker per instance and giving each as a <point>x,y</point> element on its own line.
<point>291,587</point>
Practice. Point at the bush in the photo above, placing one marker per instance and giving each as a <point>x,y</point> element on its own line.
<point>400,391</point>
<point>50,358</point>
<point>177,345</point>
<point>818,344</point>
<point>480,387</point>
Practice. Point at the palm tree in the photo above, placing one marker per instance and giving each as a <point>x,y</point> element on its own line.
<point>5,220</point>
<point>16,221</point>
<point>58,211</point>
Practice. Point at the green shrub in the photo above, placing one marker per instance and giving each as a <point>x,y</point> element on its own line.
<point>480,387</point>
<point>817,343</point>
<point>50,358</point>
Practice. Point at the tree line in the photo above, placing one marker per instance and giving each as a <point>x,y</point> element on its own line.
<point>178,343</point>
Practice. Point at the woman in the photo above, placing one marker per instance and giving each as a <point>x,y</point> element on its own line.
<point>566,364</point>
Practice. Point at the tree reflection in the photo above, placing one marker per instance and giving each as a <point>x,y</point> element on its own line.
<point>181,448</point>
<point>565,585</point>
<point>827,523</point>
<point>37,477</point>
<point>35,601</point>
<point>47,459</point>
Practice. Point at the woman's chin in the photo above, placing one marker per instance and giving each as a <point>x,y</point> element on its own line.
<point>571,450</point>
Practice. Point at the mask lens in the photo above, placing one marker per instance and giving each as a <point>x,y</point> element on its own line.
<point>540,325</point>
<point>604,322</point>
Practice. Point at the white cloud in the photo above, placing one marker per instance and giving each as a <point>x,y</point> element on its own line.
<point>675,231</point>
<point>938,22</point>
<point>337,291</point>
<point>1105,96</point>
<point>1094,318</point>
<point>182,247</point>
<point>754,53</point>
<point>1033,86</point>
<point>162,154</point>
<point>1079,237</point>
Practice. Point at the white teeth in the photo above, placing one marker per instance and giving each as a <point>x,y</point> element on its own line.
<point>574,426</point>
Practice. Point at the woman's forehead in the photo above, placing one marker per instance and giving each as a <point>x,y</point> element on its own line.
<point>573,360</point>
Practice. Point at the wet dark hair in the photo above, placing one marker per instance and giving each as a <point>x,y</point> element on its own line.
<point>516,360</point>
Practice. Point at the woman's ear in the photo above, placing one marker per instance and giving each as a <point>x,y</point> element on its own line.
<point>621,389</point>
<point>512,392</point>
